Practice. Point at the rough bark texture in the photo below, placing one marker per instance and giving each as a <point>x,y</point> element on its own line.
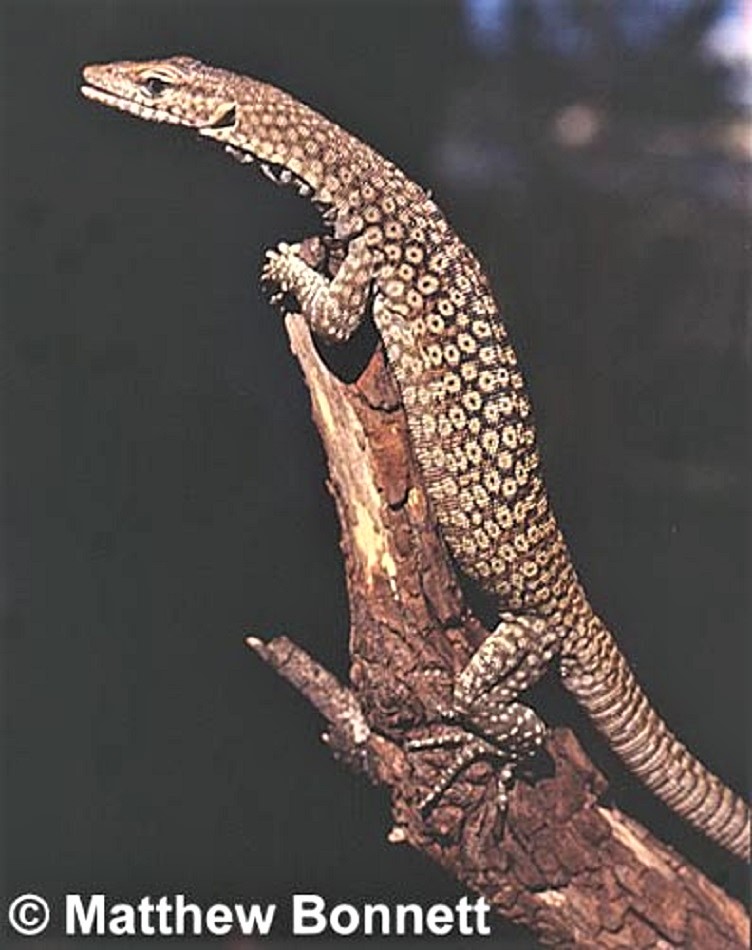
<point>577,873</point>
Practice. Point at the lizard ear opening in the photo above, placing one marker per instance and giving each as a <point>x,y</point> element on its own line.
<point>224,118</point>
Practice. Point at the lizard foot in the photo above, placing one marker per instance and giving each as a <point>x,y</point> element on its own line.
<point>276,275</point>
<point>518,734</point>
<point>333,307</point>
<point>485,720</point>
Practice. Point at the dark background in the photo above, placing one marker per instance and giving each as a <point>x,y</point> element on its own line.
<point>163,486</point>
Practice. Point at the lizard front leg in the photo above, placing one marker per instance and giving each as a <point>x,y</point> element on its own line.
<point>333,307</point>
<point>485,719</point>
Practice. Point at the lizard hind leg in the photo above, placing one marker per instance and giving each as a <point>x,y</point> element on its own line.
<point>487,721</point>
<point>334,307</point>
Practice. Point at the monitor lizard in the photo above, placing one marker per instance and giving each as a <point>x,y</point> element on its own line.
<point>469,418</point>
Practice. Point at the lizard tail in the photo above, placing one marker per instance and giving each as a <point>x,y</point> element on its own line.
<point>598,675</point>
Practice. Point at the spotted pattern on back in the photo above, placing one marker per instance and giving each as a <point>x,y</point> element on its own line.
<point>469,415</point>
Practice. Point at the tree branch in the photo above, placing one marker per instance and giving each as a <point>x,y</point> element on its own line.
<point>576,872</point>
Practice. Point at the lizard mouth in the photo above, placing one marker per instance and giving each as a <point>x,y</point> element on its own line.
<point>222,121</point>
<point>139,109</point>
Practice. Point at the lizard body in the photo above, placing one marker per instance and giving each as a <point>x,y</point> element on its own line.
<point>468,413</point>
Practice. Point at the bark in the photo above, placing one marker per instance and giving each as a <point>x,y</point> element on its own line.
<point>576,872</point>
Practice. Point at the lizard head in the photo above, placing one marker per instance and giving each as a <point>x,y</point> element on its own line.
<point>179,90</point>
<point>253,120</point>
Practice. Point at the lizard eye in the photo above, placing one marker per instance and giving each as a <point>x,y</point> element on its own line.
<point>155,86</point>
